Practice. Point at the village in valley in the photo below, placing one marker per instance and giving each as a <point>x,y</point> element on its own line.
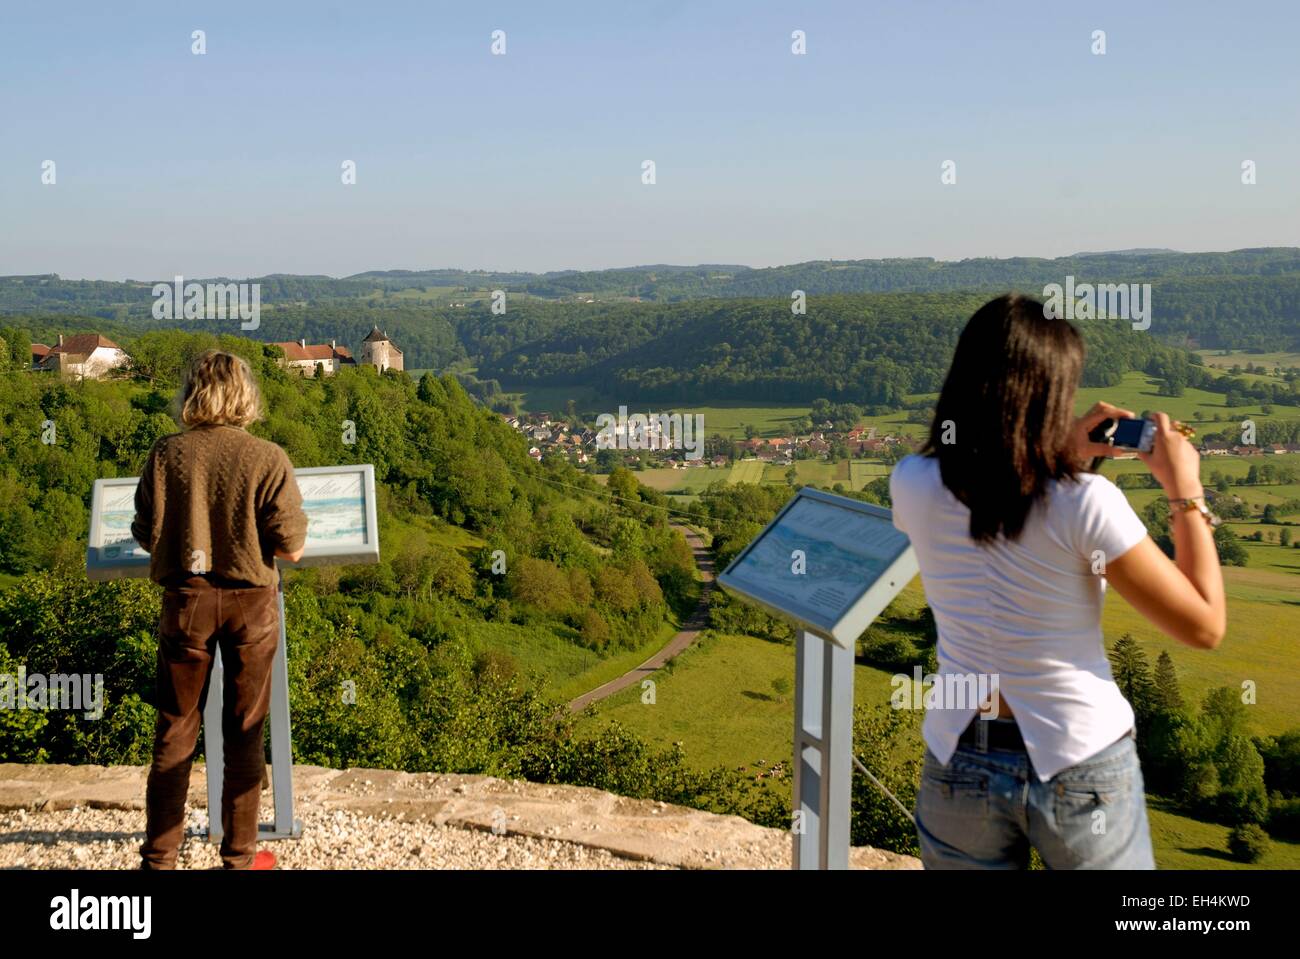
<point>94,356</point>
<point>580,444</point>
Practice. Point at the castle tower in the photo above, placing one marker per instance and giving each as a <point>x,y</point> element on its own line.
<point>380,352</point>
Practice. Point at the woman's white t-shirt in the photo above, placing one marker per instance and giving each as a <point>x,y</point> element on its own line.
<point>1027,612</point>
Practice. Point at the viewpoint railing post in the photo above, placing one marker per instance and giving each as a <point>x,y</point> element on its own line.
<point>823,752</point>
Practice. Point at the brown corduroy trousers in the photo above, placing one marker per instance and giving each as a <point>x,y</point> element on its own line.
<point>197,618</point>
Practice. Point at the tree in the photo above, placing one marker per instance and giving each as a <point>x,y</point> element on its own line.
<point>19,346</point>
<point>1238,767</point>
<point>538,583</point>
<point>1132,674</point>
<point>1231,552</point>
<point>623,486</point>
<point>1167,697</point>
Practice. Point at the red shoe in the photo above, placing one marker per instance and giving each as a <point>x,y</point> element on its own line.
<point>263,860</point>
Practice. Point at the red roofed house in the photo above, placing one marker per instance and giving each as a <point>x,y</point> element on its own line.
<point>305,358</point>
<point>86,355</point>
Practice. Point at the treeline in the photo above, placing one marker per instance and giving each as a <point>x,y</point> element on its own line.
<point>870,350</point>
<point>667,283</point>
<point>1245,299</point>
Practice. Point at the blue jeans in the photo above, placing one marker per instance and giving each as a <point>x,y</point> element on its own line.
<point>986,808</point>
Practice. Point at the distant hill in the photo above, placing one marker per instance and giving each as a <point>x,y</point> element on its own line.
<point>1137,251</point>
<point>668,283</point>
<point>575,323</point>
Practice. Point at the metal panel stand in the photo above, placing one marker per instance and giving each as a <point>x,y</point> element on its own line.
<point>284,826</point>
<point>823,752</point>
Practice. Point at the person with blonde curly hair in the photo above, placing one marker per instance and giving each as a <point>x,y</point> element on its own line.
<point>214,508</point>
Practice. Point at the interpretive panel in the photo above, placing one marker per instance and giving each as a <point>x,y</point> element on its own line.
<point>827,562</point>
<point>342,527</point>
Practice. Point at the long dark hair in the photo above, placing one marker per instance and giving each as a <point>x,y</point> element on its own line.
<point>1002,426</point>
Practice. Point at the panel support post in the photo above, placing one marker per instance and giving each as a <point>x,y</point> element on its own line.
<point>823,752</point>
<point>284,826</point>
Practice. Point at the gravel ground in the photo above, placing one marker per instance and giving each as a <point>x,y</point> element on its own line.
<point>84,838</point>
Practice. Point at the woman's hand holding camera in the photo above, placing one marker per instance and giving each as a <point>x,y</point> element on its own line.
<point>1084,448</point>
<point>1174,461</point>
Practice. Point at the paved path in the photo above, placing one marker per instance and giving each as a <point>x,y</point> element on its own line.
<point>690,631</point>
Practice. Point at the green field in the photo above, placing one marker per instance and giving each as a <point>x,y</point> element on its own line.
<point>727,419</point>
<point>747,471</point>
<point>809,473</point>
<point>852,474</point>
<point>862,472</point>
<point>718,702</point>
<point>1263,616</point>
<point>1184,843</point>
<point>1138,392</point>
<point>1243,359</point>
<point>690,480</point>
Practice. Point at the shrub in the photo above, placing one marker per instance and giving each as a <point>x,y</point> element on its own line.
<point>889,650</point>
<point>1284,819</point>
<point>1248,843</point>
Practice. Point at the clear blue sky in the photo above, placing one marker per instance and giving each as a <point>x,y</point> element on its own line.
<point>229,163</point>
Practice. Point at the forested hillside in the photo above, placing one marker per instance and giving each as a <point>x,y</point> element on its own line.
<point>870,348</point>
<point>1247,299</point>
<point>866,349</point>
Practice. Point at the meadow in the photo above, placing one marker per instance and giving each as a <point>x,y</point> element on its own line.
<point>1217,359</point>
<point>852,474</point>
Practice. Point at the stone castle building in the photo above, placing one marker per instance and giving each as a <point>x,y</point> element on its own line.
<point>380,352</point>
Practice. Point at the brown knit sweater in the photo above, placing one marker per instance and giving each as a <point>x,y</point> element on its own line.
<point>218,501</point>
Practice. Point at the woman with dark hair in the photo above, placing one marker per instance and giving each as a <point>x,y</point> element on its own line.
<point>1016,541</point>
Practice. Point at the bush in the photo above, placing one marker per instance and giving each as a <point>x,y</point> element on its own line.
<point>1284,819</point>
<point>595,630</point>
<point>1248,843</point>
<point>889,651</point>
